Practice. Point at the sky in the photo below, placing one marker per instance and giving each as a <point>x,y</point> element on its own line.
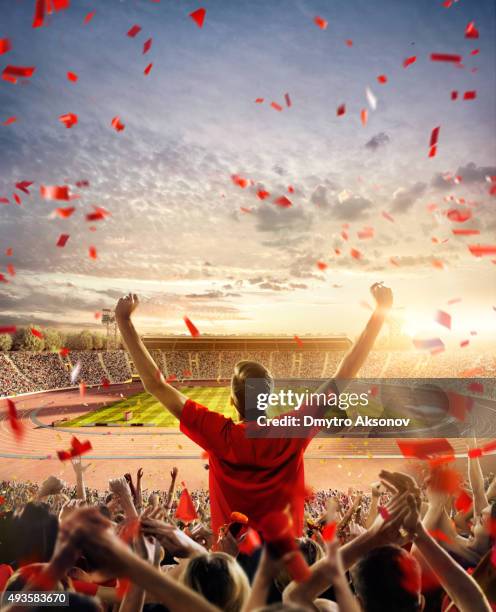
<point>177,234</point>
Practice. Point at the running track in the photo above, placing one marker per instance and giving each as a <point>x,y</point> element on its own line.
<point>346,462</point>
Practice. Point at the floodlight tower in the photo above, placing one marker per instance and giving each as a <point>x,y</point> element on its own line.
<point>108,318</point>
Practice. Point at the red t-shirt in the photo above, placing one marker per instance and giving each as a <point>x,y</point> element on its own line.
<point>249,475</point>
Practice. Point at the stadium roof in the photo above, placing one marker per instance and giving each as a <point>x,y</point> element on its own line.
<point>253,343</point>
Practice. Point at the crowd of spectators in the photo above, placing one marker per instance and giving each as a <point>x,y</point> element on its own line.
<point>391,547</point>
<point>27,371</point>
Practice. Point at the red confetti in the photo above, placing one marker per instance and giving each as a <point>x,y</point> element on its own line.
<point>245,210</point>
<point>62,241</point>
<point>475,52</point>
<point>259,100</point>
<point>409,61</point>
<point>321,265</point>
<point>15,424</point>
<point>463,502</point>
<point>439,535</point>
<point>443,318</point>
<point>36,332</point>
<point>98,215</point>
<point>366,233</point>
<point>454,95</point>
<point>147,46</point>
<point>262,194</point>
<point>8,329</point>
<point>471,31</point>
<point>465,232</point>
<point>65,213</point>
<point>9,252</point>
<point>17,199</point>
<point>288,99</point>
<point>68,119</point>
<point>341,110</point>
<point>92,252</point>
<point>198,16</point>
<point>39,13</point>
<point>185,510</point>
<point>283,202</point>
<point>290,189</point>
<point>11,269</point>
<point>355,254</point>
<point>23,186</point>
<point>63,352</point>
<point>382,78</point>
<point>105,383</point>
<point>349,42</point>
<point>82,388</point>
<point>77,449</point>
<point>276,106</point>
<point>18,71</point>
<point>89,17</point>
<point>148,69</point>
<point>117,125</point>
<point>329,532</point>
<point>193,330</point>
<point>364,116</point>
<point>479,250</point>
<point>239,181</point>
<point>384,512</point>
<point>470,95</point>
<point>72,76</point>
<point>9,121</point>
<point>446,57</point>
<point>434,136</point>
<point>298,341</point>
<point>5,45</point>
<point>424,449</point>
<point>55,192</point>
<point>134,31</point>
<point>320,23</point>
<point>4,200</point>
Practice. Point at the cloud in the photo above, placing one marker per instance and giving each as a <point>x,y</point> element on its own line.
<point>405,197</point>
<point>352,208</point>
<point>272,218</point>
<point>379,140</point>
<point>471,173</point>
<point>211,295</point>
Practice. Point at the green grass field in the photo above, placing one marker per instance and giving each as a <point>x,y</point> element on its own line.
<point>146,409</point>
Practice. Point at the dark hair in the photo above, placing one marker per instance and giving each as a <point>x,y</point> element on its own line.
<point>35,530</point>
<point>388,579</point>
<point>244,370</point>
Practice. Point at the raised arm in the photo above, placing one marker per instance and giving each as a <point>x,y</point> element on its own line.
<point>355,358</point>
<point>150,374</point>
<point>476,479</point>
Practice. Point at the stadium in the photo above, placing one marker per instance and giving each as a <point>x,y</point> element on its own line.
<point>106,404</point>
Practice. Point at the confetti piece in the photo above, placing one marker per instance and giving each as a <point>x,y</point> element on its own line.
<point>245,210</point>
<point>439,535</point>
<point>437,263</point>
<point>8,329</point>
<point>290,189</point>
<point>193,330</point>
<point>134,31</point>
<point>387,216</point>
<point>55,192</point>
<point>147,46</point>
<point>4,200</point>
<point>92,252</point>
<point>424,449</point>
<point>65,213</point>
<point>276,106</point>
<point>409,61</point>
<point>148,69</point>
<point>262,194</point>
<point>434,136</point>
<point>471,31</point>
<point>185,510</point>
<point>428,344</point>
<point>17,199</point>
<point>62,241</point>
<point>13,72</point>
<point>465,232</point>
<point>68,119</point>
<point>5,45</point>
<point>72,76</point>
<point>239,181</point>
<point>89,17</point>
<point>445,57</point>
<point>320,23</point>
<point>117,125</point>
<point>366,233</point>
<point>470,95</point>
<point>454,95</point>
<point>9,121</point>
<point>283,202</point>
<point>287,99</point>
<point>341,110</point>
<point>36,332</point>
<point>463,502</point>
<point>23,186</point>
<point>371,99</point>
<point>349,42</point>
<point>364,116</point>
<point>298,341</point>
<point>76,450</point>
<point>259,100</point>
<point>198,16</point>
<point>82,388</point>
<point>382,79</point>
<point>16,425</point>
<point>249,542</point>
<point>443,318</point>
<point>479,250</point>
<point>64,351</point>
<point>321,265</point>
<point>98,215</point>
<point>356,254</point>
<point>383,511</point>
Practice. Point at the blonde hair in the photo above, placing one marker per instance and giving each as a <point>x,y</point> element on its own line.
<point>244,370</point>
<point>219,578</point>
